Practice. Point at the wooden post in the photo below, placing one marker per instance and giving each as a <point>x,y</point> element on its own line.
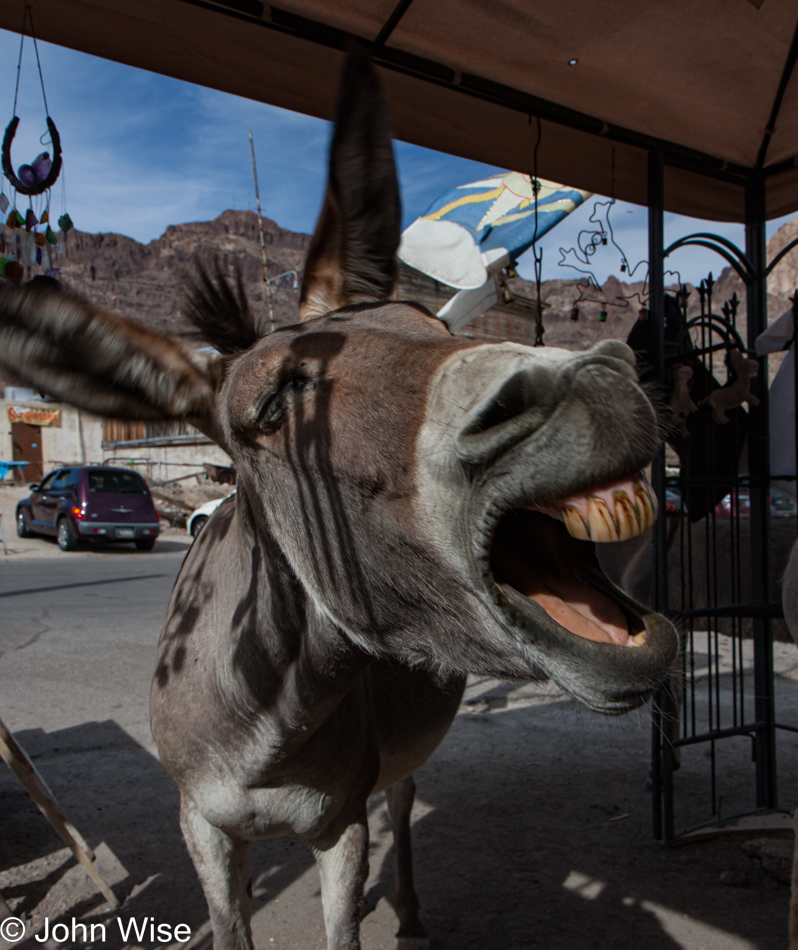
<point>17,760</point>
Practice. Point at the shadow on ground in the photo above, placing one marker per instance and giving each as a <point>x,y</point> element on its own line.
<point>533,829</point>
<point>122,802</point>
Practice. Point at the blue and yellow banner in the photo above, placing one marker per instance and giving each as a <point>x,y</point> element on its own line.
<point>478,227</point>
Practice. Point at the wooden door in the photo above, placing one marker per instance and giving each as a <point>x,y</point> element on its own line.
<point>27,447</point>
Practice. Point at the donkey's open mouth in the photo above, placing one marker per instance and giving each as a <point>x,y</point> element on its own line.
<point>544,554</point>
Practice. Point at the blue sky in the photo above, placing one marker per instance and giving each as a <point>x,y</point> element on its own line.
<point>143,151</point>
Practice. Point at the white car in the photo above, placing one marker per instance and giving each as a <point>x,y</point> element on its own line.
<point>200,515</point>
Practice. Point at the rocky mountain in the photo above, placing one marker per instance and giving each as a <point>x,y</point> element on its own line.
<point>784,279</point>
<point>146,282</point>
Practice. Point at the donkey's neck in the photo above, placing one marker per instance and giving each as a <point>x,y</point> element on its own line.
<point>290,652</point>
<point>254,663</point>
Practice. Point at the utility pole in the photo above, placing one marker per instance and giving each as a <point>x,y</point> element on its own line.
<point>266,280</point>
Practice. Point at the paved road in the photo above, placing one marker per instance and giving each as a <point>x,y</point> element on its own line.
<point>518,830</point>
<point>82,623</point>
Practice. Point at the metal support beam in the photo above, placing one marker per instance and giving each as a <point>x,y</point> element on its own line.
<point>661,763</point>
<point>759,469</point>
<point>786,75</point>
<point>391,23</point>
<point>656,312</point>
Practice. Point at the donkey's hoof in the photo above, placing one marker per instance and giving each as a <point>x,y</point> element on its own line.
<point>412,943</point>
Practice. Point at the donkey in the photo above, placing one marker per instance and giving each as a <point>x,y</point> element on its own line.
<point>412,507</point>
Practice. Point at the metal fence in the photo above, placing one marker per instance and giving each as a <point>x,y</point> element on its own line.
<point>718,554</point>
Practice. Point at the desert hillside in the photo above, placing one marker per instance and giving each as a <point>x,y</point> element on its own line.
<point>146,281</point>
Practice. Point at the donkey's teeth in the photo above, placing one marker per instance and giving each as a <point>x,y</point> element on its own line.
<point>616,513</point>
<point>647,507</point>
<point>601,522</point>
<point>627,520</point>
<point>575,523</point>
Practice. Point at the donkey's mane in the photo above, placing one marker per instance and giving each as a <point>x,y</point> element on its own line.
<point>219,310</point>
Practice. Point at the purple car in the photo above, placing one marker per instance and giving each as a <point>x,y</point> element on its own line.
<point>90,503</point>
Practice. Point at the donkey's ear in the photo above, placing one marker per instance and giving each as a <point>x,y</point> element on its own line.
<point>352,256</point>
<point>65,347</point>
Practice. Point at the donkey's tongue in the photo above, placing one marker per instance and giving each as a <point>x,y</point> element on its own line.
<point>573,603</point>
<point>581,609</point>
<point>613,512</point>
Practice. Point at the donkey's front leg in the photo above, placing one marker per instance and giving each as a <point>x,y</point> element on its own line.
<point>222,863</point>
<point>342,857</point>
<point>411,934</point>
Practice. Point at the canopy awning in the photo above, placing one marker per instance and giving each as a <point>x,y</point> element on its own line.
<point>709,83</point>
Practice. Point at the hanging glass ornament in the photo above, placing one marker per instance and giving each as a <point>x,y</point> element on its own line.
<point>49,236</point>
<point>65,223</point>
<point>14,271</point>
<point>4,203</point>
<point>27,248</point>
<point>30,220</point>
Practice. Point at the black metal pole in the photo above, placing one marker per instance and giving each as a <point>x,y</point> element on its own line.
<point>662,798</point>
<point>759,468</point>
<point>656,312</point>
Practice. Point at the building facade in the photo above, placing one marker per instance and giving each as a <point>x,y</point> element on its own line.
<point>48,434</point>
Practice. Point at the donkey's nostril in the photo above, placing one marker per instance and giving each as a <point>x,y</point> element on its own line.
<point>522,404</point>
<point>525,390</point>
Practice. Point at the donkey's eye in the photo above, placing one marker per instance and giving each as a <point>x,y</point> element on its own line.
<point>273,407</point>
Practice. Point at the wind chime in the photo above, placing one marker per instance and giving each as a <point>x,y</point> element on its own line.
<point>28,242</point>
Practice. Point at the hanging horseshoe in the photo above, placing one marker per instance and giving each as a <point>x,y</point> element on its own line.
<point>55,168</point>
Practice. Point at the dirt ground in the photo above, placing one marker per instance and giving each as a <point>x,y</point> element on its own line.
<point>532,827</point>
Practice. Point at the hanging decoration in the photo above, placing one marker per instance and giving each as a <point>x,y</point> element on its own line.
<point>589,241</point>
<point>537,253</point>
<point>43,172</point>
<point>582,259</point>
<point>32,244</point>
